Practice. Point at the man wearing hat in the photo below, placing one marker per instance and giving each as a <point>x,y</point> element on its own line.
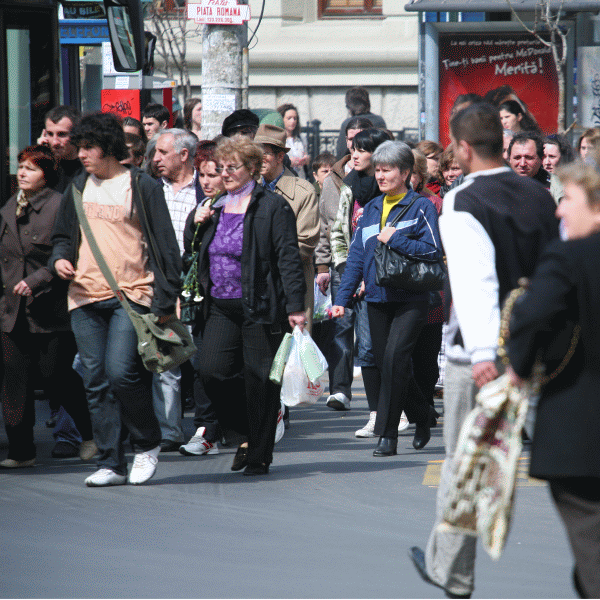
<point>301,196</point>
<point>242,121</point>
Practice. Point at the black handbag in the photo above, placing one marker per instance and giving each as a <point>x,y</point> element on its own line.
<point>398,271</point>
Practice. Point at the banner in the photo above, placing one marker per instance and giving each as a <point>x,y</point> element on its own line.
<point>517,66</point>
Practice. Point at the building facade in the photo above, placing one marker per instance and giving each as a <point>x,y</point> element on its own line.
<point>309,52</point>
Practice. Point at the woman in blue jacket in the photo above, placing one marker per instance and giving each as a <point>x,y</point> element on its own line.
<point>396,316</point>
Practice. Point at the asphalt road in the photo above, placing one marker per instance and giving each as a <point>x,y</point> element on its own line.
<point>329,521</point>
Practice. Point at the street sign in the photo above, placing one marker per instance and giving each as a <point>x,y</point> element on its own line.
<point>218,12</point>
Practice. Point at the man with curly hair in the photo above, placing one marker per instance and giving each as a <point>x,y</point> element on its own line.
<point>128,216</point>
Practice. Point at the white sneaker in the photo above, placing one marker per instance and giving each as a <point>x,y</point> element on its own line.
<point>105,477</point>
<point>198,446</point>
<point>338,401</point>
<point>144,466</point>
<point>368,431</point>
<point>280,424</point>
<point>403,423</point>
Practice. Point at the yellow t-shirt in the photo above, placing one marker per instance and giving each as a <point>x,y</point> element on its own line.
<point>388,203</point>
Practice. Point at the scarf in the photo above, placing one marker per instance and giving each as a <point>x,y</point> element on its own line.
<point>364,187</point>
<point>22,202</point>
<point>240,193</point>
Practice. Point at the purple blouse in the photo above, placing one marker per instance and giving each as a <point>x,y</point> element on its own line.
<point>225,253</point>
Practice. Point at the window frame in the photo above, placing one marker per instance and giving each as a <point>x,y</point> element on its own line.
<point>368,10</point>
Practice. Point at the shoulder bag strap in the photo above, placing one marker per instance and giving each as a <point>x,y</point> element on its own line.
<point>399,216</point>
<point>87,230</point>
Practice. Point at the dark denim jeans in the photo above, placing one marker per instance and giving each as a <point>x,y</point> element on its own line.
<point>117,385</point>
<point>341,364</point>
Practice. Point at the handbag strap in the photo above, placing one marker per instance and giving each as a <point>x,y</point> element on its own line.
<point>399,216</point>
<point>87,230</point>
<point>504,336</point>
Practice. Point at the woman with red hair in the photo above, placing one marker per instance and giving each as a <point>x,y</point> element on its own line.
<point>37,343</point>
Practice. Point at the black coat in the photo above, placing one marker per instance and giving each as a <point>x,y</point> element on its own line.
<point>565,287</point>
<point>163,250</point>
<point>272,276</point>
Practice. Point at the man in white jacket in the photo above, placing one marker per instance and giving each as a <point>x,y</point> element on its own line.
<point>494,227</point>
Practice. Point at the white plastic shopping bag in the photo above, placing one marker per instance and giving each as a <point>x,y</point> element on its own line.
<point>305,366</point>
<point>322,310</point>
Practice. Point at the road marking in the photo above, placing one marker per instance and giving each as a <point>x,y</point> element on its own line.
<point>433,472</point>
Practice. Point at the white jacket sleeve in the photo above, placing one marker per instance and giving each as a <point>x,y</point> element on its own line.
<point>474,282</point>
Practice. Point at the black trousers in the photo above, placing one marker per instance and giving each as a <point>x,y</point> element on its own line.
<point>236,359</point>
<point>395,328</point>
<point>425,359</point>
<point>578,502</point>
<point>204,414</point>
<point>47,359</point>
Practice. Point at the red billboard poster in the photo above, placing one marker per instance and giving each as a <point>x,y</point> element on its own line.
<point>513,66</point>
<point>123,103</point>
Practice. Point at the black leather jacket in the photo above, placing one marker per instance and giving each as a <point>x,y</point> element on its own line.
<point>273,282</point>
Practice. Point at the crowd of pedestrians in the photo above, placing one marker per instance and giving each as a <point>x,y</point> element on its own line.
<point>240,213</point>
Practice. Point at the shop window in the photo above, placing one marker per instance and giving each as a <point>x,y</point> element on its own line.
<point>349,8</point>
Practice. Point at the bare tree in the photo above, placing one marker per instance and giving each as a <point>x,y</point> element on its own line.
<point>167,20</point>
<point>547,20</point>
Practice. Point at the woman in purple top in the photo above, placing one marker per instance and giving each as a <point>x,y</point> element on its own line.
<point>251,277</point>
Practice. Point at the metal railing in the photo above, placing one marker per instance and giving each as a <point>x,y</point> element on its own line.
<point>325,140</point>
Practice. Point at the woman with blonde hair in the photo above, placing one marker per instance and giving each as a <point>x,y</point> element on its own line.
<point>588,141</point>
<point>565,289</point>
<point>252,281</point>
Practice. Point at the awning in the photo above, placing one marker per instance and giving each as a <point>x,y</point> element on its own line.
<point>498,5</point>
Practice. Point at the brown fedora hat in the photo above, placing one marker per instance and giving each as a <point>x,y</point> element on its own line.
<point>272,135</point>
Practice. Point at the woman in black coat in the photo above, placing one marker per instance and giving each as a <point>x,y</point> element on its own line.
<point>566,444</point>
<point>37,342</point>
<point>252,281</point>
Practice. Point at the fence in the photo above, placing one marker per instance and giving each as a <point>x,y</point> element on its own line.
<point>325,140</point>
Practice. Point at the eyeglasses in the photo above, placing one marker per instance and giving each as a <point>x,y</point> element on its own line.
<point>231,169</point>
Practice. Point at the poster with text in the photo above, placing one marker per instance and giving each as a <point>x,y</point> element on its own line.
<point>481,63</point>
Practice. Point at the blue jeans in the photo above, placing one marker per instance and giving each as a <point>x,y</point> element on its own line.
<point>364,348</point>
<point>116,383</point>
<point>342,350</point>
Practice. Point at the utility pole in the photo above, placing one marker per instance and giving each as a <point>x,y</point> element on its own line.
<point>224,73</point>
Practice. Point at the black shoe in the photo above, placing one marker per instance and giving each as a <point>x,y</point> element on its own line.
<point>260,469</point>
<point>241,459</point>
<point>577,584</point>
<point>170,446</point>
<point>423,431</point>
<point>64,450</point>
<point>417,557</point>
<point>386,447</point>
